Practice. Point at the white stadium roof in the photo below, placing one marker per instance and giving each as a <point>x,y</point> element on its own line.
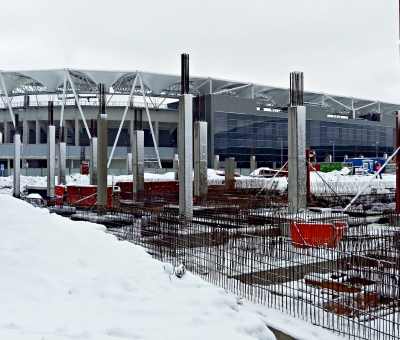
<point>39,82</point>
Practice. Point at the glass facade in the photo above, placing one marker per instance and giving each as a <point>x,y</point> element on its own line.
<point>242,135</point>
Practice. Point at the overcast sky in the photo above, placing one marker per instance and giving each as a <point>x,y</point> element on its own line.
<point>346,47</point>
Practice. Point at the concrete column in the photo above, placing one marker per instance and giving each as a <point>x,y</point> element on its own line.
<point>37,131</point>
<point>1,138</point>
<point>353,114</point>
<point>297,181</point>
<point>8,167</point>
<point>51,160</point>
<point>93,161</point>
<point>102,162</point>
<point>230,173</point>
<point>186,156</point>
<point>7,132</point>
<point>216,162</point>
<point>62,162</point>
<point>175,166</point>
<point>25,131</point>
<point>157,132</point>
<point>77,129</point>
<point>129,163</point>
<point>138,162</point>
<point>200,159</point>
<point>131,131</point>
<point>253,164</point>
<point>17,165</point>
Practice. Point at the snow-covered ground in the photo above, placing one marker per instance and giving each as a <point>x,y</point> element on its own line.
<point>63,279</point>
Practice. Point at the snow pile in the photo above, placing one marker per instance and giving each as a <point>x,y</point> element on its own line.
<point>70,280</point>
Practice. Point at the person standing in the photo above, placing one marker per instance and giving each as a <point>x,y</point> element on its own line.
<point>377,168</point>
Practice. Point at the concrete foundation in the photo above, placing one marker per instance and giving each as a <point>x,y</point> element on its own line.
<point>200,159</point>
<point>17,165</point>
<point>185,156</point>
<point>93,161</point>
<point>230,173</point>
<point>297,180</point>
<point>51,161</point>
<point>62,162</point>
<point>138,162</point>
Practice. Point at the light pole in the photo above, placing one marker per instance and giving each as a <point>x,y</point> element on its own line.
<point>376,148</point>
<point>333,150</point>
<point>281,139</point>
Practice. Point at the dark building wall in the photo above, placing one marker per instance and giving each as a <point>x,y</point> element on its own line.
<point>237,129</point>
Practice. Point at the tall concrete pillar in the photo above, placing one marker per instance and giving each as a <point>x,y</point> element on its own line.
<point>157,132</point>
<point>131,131</point>
<point>62,162</point>
<point>37,131</point>
<point>51,160</point>
<point>185,156</point>
<point>77,129</point>
<point>7,132</point>
<point>138,162</point>
<point>129,163</point>
<point>253,163</point>
<point>102,153</point>
<point>51,154</point>
<point>297,180</point>
<point>230,173</point>
<point>25,132</point>
<point>17,164</point>
<point>200,159</point>
<point>175,166</point>
<point>1,138</point>
<point>93,161</point>
<point>216,162</point>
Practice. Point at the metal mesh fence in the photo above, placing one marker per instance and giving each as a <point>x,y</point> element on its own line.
<point>339,271</point>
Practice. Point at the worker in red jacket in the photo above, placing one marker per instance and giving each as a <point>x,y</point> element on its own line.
<point>377,168</point>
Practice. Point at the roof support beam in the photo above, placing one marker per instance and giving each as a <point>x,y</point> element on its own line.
<point>79,106</point>
<point>122,121</point>
<point>349,108</point>
<point>361,107</point>
<point>149,119</point>
<point>7,98</point>
<point>63,99</point>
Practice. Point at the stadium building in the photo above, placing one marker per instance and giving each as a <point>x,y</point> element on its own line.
<point>244,119</point>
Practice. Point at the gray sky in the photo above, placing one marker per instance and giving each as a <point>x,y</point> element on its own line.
<point>348,47</point>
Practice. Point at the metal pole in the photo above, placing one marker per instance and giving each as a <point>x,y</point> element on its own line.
<point>333,150</point>
<point>281,139</point>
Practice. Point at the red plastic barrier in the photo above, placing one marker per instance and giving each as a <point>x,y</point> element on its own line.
<point>313,234</point>
<point>59,193</point>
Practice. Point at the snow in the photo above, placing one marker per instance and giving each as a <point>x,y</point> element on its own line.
<point>64,279</point>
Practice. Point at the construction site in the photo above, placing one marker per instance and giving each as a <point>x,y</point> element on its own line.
<point>324,252</point>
